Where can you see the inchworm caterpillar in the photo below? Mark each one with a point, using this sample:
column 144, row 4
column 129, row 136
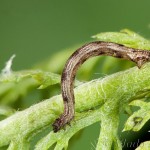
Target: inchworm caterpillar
column 79, row 57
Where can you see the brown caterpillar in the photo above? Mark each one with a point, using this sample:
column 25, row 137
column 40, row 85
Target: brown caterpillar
column 79, row 57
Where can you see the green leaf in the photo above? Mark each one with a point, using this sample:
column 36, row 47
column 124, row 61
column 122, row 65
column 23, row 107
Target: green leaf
column 125, row 37
column 81, row 121
column 98, row 100
column 137, row 120
column 44, row 78
column 103, row 96
column 19, row 143
column 144, row 146
column 18, row 84
column 6, row 111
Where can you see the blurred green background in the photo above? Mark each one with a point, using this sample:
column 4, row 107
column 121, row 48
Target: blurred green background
column 36, row 29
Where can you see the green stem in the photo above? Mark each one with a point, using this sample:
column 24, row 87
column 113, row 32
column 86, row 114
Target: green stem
column 119, row 87
column 109, row 129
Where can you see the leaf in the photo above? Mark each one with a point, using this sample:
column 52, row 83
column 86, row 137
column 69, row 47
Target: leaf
column 16, row 90
column 17, row 84
column 19, row 143
column 103, row 96
column 6, row 111
column 144, row 146
column 125, row 37
column 137, row 120
column 44, row 78
column 97, row 100
column 83, row 120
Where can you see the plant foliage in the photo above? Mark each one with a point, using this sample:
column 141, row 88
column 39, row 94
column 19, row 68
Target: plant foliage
column 99, row 100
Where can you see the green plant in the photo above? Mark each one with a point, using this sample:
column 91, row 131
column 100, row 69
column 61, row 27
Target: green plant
column 102, row 99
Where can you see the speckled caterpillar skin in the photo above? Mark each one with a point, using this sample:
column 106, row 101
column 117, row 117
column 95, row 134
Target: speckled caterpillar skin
column 78, row 58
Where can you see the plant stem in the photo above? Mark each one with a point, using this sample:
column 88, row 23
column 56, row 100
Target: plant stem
column 118, row 88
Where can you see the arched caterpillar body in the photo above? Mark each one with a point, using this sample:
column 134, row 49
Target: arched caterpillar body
column 78, row 58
